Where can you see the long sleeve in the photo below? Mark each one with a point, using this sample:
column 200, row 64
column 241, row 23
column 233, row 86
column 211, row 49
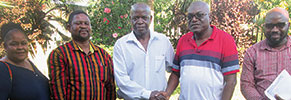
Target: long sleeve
column 57, row 74
column 247, row 81
column 129, row 88
column 5, row 82
column 110, row 84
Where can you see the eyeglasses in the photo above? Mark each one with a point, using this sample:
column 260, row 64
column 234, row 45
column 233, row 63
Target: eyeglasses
column 278, row 25
column 197, row 15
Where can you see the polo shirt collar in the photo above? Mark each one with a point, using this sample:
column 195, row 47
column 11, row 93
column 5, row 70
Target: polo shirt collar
column 214, row 32
column 265, row 46
column 213, row 35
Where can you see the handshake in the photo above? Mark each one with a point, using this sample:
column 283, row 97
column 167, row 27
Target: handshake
column 159, row 95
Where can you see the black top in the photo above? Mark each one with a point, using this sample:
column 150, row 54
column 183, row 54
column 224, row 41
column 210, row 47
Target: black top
column 25, row 84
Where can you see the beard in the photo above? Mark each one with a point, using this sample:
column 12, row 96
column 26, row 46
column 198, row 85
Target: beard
column 274, row 42
column 80, row 36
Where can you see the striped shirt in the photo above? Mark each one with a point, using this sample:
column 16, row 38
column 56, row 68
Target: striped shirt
column 262, row 64
column 202, row 67
column 75, row 75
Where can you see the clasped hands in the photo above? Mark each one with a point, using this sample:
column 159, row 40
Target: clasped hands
column 159, row 95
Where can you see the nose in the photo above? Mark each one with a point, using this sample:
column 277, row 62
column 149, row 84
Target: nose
column 21, row 46
column 194, row 19
column 139, row 20
column 275, row 29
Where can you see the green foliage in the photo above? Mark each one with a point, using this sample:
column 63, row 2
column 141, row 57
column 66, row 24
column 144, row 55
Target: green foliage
column 177, row 90
column 28, row 13
column 34, row 17
column 110, row 20
column 266, row 5
column 170, row 18
column 235, row 19
column 108, row 49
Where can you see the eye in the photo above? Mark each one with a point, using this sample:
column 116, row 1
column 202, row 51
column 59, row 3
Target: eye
column 134, row 18
column 77, row 23
column 269, row 25
column 144, row 17
column 199, row 15
column 13, row 43
column 190, row 16
column 87, row 23
column 24, row 43
column 281, row 25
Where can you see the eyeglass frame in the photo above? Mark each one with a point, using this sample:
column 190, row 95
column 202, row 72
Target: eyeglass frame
column 277, row 25
column 196, row 15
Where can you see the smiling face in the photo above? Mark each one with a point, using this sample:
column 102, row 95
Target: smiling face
column 16, row 45
column 198, row 17
column 80, row 27
column 140, row 19
column 276, row 29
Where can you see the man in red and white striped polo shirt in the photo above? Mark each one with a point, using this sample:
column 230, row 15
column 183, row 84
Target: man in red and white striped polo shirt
column 206, row 59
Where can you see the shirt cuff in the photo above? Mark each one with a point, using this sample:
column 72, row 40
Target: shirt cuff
column 146, row 94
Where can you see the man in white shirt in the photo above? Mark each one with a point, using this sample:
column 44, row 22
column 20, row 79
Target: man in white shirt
column 141, row 58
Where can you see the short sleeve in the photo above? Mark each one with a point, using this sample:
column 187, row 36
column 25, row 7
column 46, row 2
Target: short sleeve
column 230, row 62
column 176, row 61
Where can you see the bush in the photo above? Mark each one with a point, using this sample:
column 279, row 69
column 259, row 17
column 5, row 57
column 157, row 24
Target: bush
column 110, row 20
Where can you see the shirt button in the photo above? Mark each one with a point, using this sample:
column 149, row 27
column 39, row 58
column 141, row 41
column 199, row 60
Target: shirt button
column 198, row 51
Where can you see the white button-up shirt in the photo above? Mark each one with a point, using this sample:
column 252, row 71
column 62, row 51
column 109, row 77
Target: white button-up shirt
column 137, row 71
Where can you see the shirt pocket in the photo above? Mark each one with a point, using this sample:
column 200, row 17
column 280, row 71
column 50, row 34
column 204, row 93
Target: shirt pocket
column 159, row 63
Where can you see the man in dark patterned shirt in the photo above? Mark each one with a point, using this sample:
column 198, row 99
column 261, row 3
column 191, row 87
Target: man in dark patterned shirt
column 79, row 70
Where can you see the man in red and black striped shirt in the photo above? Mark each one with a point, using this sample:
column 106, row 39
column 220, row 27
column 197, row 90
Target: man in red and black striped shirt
column 79, row 70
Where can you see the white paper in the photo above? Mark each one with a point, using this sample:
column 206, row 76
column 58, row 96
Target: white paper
column 280, row 86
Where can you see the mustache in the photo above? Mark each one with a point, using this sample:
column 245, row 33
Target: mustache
column 83, row 30
column 21, row 50
column 273, row 33
column 192, row 24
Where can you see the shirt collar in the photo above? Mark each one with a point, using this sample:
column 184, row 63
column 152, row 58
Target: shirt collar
column 265, row 46
column 131, row 37
column 77, row 47
column 214, row 32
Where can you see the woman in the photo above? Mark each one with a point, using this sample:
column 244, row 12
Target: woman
column 19, row 78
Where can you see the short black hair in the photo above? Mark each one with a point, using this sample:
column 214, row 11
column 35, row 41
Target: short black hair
column 8, row 27
column 76, row 12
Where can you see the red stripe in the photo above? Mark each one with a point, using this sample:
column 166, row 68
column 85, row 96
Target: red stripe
column 231, row 72
column 76, row 68
column 101, row 71
column 53, row 88
column 176, row 70
column 9, row 70
column 62, row 75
